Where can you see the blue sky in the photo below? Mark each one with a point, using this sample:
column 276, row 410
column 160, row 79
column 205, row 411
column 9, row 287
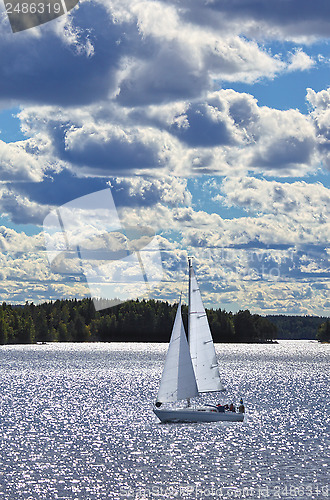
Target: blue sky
column 210, row 123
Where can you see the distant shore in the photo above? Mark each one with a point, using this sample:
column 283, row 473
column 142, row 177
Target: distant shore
column 140, row 321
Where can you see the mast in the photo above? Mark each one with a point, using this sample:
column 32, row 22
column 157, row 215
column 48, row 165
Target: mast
column 189, row 295
column 189, row 291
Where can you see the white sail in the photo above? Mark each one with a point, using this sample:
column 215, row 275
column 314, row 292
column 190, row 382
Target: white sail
column 178, row 379
column 200, row 341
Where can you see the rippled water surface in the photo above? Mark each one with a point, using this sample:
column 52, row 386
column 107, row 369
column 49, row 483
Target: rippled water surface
column 77, row 423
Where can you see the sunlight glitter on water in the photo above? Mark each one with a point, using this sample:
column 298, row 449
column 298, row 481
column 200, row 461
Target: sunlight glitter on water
column 77, row 423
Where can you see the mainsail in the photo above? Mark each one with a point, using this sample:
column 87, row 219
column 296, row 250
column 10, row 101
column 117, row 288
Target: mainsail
column 200, row 341
column 178, row 379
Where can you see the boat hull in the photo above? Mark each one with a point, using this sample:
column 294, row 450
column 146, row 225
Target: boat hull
column 192, row 415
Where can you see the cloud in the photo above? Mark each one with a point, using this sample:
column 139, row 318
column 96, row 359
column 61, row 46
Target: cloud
column 132, row 88
column 226, row 132
column 23, row 160
column 284, row 142
column 143, row 192
column 185, row 69
column 141, row 52
column 84, row 141
column 202, row 125
column 300, row 61
column 274, row 259
column 281, row 19
column 26, row 274
column 320, row 104
column 111, row 149
column 11, row 241
column 74, row 151
column 20, row 209
column 178, row 59
column 300, row 201
column 58, row 188
column 136, row 94
column 69, row 61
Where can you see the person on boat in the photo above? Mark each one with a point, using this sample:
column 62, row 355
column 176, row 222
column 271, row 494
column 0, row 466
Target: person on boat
column 226, row 407
column 241, row 408
column 232, row 407
column 220, row 408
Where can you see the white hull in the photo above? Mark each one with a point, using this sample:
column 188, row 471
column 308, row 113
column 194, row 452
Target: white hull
column 191, row 415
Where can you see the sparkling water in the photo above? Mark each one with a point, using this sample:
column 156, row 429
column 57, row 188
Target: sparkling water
column 77, row 423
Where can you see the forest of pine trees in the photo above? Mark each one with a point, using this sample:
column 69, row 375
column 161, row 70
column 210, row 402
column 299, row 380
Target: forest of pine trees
column 133, row 321
column 296, row 327
column 323, row 332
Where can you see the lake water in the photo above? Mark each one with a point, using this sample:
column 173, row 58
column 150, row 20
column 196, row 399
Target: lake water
column 77, row 423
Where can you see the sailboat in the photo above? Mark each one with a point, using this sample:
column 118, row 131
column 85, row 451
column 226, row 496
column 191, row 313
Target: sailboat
column 191, row 368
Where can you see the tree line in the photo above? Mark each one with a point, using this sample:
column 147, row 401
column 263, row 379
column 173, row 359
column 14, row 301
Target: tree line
column 323, row 332
column 132, row 321
column 296, row 327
